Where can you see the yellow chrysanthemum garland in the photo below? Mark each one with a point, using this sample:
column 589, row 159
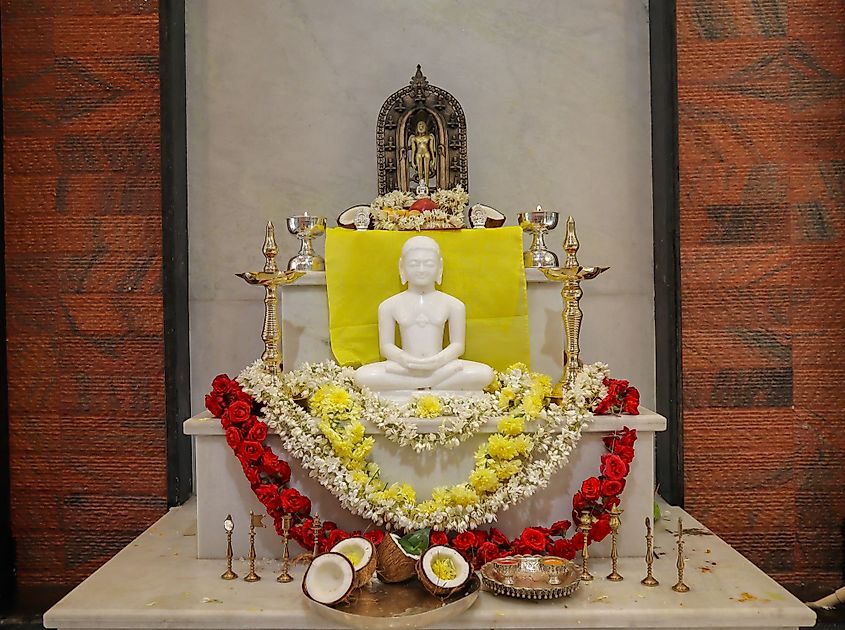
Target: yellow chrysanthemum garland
column 330, row 440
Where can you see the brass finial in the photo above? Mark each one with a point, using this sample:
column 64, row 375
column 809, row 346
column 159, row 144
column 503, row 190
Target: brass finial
column 649, row 579
column 614, row 523
column 586, row 523
column 308, row 556
column 285, row 575
column 680, row 587
column 271, row 278
column 571, row 275
column 229, row 526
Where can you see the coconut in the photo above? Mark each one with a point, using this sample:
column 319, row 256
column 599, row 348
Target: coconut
column 329, row 579
column 443, row 571
column 346, row 219
column 362, row 554
column 394, row 563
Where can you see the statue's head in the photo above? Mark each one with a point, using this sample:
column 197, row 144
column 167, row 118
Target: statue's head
column 421, row 127
column 420, row 263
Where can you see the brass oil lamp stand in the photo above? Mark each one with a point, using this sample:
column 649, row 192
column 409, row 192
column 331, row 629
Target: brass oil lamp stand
column 586, row 523
column 571, row 274
column 307, row 557
column 649, row 579
column 614, row 523
column 271, row 278
column 229, row 526
column 680, row 587
column 255, row 520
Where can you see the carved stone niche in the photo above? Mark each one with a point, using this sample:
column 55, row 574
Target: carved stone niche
column 397, row 121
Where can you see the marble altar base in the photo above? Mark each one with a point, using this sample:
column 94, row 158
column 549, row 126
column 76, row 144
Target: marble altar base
column 157, row 582
column 222, row 488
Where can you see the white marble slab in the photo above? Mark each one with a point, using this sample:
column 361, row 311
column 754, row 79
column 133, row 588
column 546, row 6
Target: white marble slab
column 222, row 488
column 156, row 582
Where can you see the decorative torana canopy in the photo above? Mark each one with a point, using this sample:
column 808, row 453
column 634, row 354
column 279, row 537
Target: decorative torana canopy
column 398, row 121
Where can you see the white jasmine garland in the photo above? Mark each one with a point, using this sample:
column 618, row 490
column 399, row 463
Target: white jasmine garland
column 558, row 430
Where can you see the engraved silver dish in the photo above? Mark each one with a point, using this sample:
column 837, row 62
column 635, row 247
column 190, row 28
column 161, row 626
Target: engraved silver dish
column 530, row 581
column 380, row 606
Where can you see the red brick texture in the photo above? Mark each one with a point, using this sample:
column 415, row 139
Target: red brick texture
column 761, row 97
column 83, row 276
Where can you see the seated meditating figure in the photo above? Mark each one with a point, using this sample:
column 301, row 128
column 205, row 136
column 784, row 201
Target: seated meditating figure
column 422, row 312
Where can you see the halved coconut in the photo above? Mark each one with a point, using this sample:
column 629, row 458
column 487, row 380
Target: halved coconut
column 442, row 570
column 494, row 218
column 329, row 579
column 394, row 563
column 346, row 219
column 362, row 554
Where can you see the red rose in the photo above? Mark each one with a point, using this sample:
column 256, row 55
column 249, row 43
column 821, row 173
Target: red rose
column 564, row 548
column 220, row 384
column 257, row 432
column 590, row 489
column 559, row 528
column 295, row 503
column 533, row 539
column 579, row 502
column 612, row 487
column 214, row 404
column 629, row 436
column 600, row 529
column 578, row 541
column 604, row 406
column 497, row 537
column 375, row 536
column 268, row 495
column 613, row 466
column 616, row 388
column 334, row 537
column 464, row 541
column 329, row 526
column 233, row 437
column 238, row 412
column 438, row 538
column 480, row 537
column 233, row 387
column 631, row 403
column 610, row 502
column 252, row 451
column 250, row 473
column 282, row 470
column 487, row 552
column 626, row 453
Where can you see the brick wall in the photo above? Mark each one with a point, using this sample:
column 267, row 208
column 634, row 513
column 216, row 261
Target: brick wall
column 761, row 94
column 83, row 277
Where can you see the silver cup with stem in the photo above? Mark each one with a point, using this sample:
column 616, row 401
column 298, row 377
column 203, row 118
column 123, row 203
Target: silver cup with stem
column 537, row 223
column 306, row 228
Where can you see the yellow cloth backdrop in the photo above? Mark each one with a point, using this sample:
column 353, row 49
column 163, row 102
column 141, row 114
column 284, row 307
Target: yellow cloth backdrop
column 482, row 268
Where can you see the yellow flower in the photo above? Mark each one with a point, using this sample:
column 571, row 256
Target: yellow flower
column 501, row 447
column 462, row 495
column 511, row 426
column 542, row 385
column 506, row 397
column 480, row 454
column 483, row 480
column 360, row 477
column 505, row 470
column 522, row 444
column 339, row 398
column 444, row 568
column 429, row 406
column 533, row 405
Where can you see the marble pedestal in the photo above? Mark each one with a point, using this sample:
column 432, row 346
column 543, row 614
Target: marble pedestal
column 222, row 488
column 157, row 582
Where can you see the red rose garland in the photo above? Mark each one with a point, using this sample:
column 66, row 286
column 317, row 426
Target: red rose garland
column 269, row 476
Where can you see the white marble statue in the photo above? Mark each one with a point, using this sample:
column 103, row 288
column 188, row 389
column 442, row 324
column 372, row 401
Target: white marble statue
column 422, row 312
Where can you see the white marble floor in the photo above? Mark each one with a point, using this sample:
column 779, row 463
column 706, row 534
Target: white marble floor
column 157, row 582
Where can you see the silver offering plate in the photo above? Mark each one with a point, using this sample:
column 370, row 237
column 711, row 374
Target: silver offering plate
column 530, row 581
column 380, row 606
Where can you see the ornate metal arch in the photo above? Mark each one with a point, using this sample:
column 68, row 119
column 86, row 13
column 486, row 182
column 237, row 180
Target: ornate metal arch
column 419, row 97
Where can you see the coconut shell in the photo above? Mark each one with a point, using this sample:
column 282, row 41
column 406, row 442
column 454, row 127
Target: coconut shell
column 365, row 573
column 346, row 219
column 436, row 589
column 394, row 565
column 341, row 599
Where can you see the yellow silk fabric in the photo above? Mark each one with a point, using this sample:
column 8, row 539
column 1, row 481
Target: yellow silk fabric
column 482, row 268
